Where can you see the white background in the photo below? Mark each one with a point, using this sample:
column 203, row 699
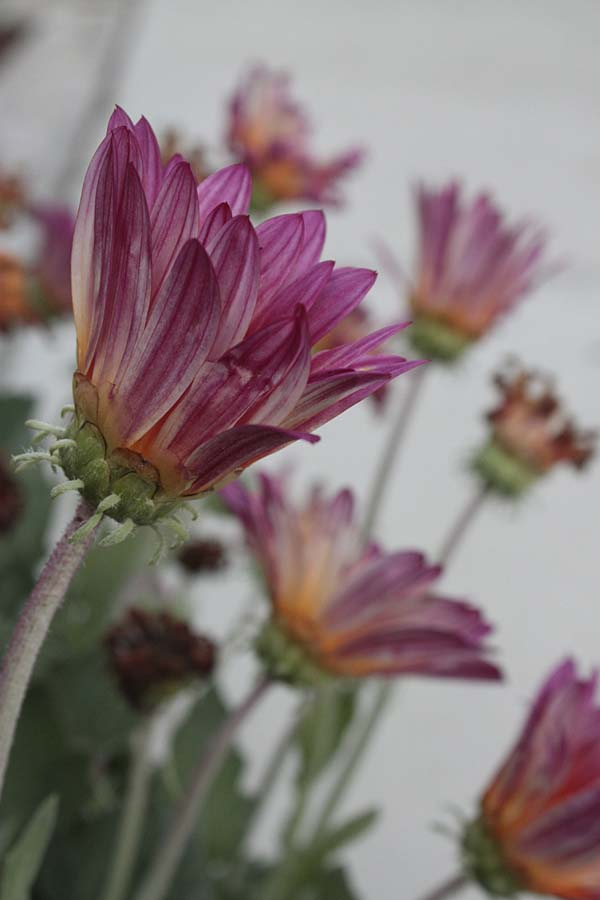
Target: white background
column 504, row 94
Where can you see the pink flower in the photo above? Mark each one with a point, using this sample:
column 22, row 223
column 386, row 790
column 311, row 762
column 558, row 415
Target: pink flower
column 353, row 610
column 472, row 268
column 194, row 329
column 542, row 810
column 269, row 133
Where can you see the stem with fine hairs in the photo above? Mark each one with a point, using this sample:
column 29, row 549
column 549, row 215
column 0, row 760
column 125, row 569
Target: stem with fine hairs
column 462, row 523
column 161, row 870
column 32, row 627
column 448, row 888
column 392, row 448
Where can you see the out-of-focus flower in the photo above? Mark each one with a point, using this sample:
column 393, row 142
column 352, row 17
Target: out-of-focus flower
column 154, row 655
column 269, row 133
column 531, row 433
column 11, row 498
column 36, row 292
column 354, row 327
column 539, row 827
column 472, row 268
column 340, row 609
column 203, row 555
column 194, row 331
column 12, row 198
column 172, row 144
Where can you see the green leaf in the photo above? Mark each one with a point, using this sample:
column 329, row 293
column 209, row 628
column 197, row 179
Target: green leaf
column 336, row 838
column 330, row 884
column 321, row 730
column 24, row 859
column 226, row 808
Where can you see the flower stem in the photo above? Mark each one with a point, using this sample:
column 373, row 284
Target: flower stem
column 462, row 523
column 366, row 728
column 391, row 450
column 164, row 865
column 127, row 842
column 448, row 888
column 32, row 627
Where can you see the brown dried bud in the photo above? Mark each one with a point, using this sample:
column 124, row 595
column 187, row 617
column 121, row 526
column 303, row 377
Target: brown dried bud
column 203, row 555
column 531, row 424
column 153, row 655
column 11, row 498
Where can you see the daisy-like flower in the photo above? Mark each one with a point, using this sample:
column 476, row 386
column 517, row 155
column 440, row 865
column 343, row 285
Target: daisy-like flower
column 539, row 827
column 472, row 268
column 36, row 292
column 340, row 609
column 530, row 433
column 194, row 332
column 269, row 133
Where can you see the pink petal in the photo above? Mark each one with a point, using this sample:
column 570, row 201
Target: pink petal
column 151, row 161
column 174, row 221
column 232, row 185
column 326, row 398
column 234, row 255
column 305, row 290
column 175, row 342
column 213, row 223
column 290, row 245
column 232, row 451
column 345, row 290
column 346, row 355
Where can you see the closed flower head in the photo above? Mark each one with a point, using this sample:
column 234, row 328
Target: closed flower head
column 472, row 268
column 195, row 329
column 342, row 610
column 269, row 133
column 539, row 828
column 530, row 433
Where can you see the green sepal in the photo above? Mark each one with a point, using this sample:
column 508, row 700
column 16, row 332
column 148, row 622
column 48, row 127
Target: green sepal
column 285, row 659
column 504, row 473
column 435, row 340
column 484, row 862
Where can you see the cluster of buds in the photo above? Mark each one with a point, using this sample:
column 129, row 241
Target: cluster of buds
column 530, row 433
column 154, row 655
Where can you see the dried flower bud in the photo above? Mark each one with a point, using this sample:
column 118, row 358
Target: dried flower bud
column 531, row 433
column 153, row 655
column 203, row 555
column 11, row 498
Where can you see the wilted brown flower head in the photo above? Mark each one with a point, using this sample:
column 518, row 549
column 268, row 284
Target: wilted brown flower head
column 531, row 423
column 153, row 655
column 203, row 555
column 11, row 498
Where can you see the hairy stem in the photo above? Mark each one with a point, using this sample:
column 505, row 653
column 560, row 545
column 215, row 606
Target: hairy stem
column 161, row 871
column 32, row 627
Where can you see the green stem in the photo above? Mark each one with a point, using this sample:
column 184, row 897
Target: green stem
column 345, row 775
column 162, row 869
column 32, row 627
column 462, row 523
column 448, row 888
column 127, row 843
column 391, row 449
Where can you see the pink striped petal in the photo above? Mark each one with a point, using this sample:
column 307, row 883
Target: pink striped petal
column 119, row 119
column 223, row 392
column 232, row 451
column 232, row 185
column 305, row 290
column 348, row 354
column 124, row 293
column 151, row 161
column 213, row 223
column 327, row 397
column 290, row 245
column 345, row 290
column 175, row 342
column 174, row 221
column 235, row 257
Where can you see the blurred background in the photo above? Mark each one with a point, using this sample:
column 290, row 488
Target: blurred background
column 501, row 94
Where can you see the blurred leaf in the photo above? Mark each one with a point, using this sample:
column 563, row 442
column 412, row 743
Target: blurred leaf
column 330, row 884
column 14, row 410
column 321, row 731
column 226, row 808
column 23, row 860
column 336, row 838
